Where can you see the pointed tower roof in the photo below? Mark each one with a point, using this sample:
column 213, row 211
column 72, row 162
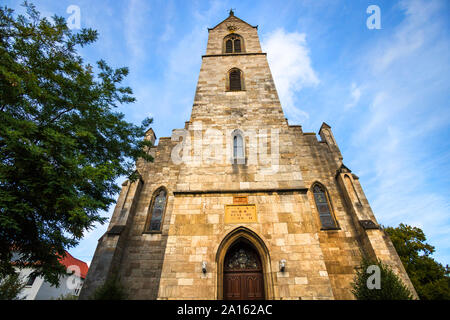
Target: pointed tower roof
column 230, row 18
column 324, row 125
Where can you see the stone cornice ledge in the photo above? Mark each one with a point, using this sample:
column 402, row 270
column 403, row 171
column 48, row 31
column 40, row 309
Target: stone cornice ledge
column 235, row 54
column 270, row 190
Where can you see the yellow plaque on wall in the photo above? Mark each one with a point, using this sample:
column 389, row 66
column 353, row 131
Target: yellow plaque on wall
column 240, row 213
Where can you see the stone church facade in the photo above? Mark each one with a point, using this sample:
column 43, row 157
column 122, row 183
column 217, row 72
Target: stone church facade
column 239, row 204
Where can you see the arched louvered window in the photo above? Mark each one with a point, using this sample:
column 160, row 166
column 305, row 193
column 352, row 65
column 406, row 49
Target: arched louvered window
column 237, row 45
column 233, row 43
column 323, row 207
column 229, row 46
column 235, row 80
column 157, row 209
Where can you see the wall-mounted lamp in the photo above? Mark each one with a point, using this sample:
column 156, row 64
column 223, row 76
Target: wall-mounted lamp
column 282, row 265
column 204, row 266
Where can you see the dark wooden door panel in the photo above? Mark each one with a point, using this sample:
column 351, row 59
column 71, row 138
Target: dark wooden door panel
column 253, row 286
column 243, row 286
column 232, row 287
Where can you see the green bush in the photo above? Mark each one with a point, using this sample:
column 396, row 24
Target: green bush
column 112, row 289
column 68, row 296
column 391, row 286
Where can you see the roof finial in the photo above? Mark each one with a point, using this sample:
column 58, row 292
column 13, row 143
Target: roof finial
column 232, row 12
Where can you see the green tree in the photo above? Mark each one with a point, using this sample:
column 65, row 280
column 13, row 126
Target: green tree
column 11, row 286
column 391, row 286
column 430, row 278
column 63, row 143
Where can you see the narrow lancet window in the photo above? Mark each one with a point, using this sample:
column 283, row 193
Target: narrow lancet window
column 157, row 210
column 229, row 46
column 237, row 45
column 238, row 147
column 323, row 207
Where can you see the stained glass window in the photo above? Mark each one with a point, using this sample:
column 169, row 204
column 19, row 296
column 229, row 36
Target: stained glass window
column 159, row 204
column 323, row 207
column 241, row 257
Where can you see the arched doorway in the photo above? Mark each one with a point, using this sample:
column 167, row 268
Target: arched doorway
column 244, row 236
column 242, row 272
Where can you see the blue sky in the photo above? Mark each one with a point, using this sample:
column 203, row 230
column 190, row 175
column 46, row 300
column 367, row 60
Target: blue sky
column 385, row 92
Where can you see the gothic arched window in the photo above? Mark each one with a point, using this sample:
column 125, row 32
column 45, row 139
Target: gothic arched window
column 323, row 206
column 235, row 78
column 233, row 43
column 156, row 210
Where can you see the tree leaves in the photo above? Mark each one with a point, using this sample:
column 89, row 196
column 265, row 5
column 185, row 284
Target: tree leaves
column 62, row 143
column 430, row 278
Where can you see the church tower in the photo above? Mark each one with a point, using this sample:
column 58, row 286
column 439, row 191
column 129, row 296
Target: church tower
column 239, row 204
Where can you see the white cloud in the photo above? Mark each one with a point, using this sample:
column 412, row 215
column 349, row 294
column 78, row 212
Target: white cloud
column 291, row 67
column 411, row 35
column 355, row 95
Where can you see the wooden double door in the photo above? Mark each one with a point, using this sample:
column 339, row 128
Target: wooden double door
column 243, row 276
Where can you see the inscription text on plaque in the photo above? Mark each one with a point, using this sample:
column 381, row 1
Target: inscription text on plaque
column 240, row 213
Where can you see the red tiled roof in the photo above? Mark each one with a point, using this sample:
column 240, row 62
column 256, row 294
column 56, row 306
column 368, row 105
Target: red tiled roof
column 68, row 261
